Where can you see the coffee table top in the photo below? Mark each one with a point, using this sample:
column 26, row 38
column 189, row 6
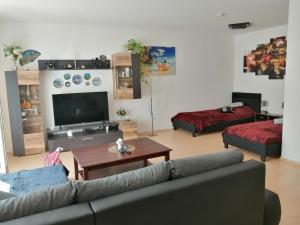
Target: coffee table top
column 96, row 155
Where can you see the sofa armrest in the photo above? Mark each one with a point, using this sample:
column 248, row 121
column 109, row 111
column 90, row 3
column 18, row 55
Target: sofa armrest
column 272, row 209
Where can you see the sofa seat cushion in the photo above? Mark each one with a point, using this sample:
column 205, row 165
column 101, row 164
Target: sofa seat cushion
column 202, row 163
column 100, row 188
column 76, row 214
column 38, row 201
column 25, row 181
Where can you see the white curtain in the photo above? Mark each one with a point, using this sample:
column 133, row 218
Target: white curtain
column 2, row 146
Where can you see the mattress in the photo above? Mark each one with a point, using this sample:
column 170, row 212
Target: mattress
column 263, row 132
column 206, row 118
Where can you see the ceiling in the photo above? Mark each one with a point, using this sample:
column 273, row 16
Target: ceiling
column 158, row 14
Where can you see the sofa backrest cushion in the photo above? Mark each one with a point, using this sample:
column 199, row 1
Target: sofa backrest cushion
column 100, row 188
column 202, row 163
column 232, row 195
column 5, row 195
column 38, row 201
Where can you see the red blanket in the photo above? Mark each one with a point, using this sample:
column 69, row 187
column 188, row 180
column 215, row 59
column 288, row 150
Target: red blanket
column 264, row 132
column 202, row 119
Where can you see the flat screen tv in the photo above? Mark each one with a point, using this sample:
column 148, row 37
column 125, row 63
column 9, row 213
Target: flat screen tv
column 80, row 108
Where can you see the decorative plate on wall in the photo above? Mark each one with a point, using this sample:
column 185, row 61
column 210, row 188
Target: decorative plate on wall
column 96, row 81
column 67, row 76
column 58, row 83
column 68, row 84
column 87, row 76
column 87, row 83
column 77, row 79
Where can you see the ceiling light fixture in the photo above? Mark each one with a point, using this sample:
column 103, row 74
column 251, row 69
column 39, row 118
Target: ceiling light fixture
column 236, row 26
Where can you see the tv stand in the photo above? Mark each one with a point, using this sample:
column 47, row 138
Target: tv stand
column 84, row 136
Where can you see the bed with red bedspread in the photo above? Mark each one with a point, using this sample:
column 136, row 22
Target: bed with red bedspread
column 214, row 120
column 263, row 137
column 202, row 120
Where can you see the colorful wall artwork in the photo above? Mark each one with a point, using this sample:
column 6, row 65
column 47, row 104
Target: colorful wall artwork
column 268, row 59
column 159, row 60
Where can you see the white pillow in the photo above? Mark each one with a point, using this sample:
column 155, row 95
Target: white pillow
column 236, row 104
column 278, row 121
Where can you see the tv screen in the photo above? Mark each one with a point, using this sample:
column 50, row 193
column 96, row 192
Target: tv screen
column 80, row 108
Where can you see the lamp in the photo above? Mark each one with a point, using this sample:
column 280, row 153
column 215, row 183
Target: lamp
column 264, row 104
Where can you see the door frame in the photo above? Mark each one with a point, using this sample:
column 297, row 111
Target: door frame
column 3, row 159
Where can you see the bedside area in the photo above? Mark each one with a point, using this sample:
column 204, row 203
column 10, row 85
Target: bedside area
column 267, row 116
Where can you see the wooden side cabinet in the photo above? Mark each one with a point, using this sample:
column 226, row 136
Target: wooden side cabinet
column 129, row 129
column 24, row 105
column 126, row 76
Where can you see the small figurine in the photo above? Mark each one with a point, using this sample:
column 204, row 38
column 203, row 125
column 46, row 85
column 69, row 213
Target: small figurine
column 122, row 147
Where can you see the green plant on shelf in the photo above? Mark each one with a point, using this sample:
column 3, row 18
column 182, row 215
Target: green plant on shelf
column 13, row 52
column 137, row 47
column 134, row 46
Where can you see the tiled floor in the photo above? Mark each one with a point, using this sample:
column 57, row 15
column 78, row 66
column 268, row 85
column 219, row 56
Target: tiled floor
column 282, row 177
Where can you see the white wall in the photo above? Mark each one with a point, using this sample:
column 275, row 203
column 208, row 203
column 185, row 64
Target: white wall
column 272, row 90
column 291, row 134
column 204, row 66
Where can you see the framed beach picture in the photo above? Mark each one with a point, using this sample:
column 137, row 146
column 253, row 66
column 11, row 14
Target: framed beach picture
column 159, row 60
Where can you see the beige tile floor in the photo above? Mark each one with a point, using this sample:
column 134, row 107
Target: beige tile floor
column 283, row 177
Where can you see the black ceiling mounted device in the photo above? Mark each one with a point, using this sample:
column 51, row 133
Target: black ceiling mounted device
column 236, row 26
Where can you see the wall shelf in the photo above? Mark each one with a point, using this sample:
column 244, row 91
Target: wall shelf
column 71, row 64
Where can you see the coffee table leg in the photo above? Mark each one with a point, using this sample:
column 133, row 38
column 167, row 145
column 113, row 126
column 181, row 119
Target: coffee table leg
column 85, row 174
column 167, row 156
column 76, row 169
column 145, row 162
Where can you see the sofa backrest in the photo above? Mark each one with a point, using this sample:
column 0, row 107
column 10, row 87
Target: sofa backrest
column 232, row 195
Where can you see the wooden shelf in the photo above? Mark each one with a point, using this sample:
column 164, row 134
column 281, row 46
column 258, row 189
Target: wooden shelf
column 126, row 87
column 71, row 64
column 129, row 129
column 23, row 88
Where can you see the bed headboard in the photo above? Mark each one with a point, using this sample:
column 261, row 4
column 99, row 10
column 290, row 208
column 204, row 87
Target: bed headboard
column 250, row 99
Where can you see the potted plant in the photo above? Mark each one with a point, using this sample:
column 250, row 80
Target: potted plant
column 134, row 46
column 121, row 112
column 13, row 52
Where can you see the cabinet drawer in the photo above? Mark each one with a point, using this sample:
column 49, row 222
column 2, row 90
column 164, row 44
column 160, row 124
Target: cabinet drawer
column 34, row 143
column 82, row 141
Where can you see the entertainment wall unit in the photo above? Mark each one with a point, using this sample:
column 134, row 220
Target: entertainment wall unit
column 83, row 135
column 26, row 123
column 81, row 119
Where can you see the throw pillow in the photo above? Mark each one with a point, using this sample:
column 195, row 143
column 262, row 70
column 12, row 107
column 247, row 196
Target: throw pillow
column 104, row 187
column 202, row 163
column 226, row 109
column 38, row 201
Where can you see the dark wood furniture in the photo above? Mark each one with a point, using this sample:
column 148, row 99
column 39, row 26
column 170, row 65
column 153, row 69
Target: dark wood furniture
column 267, row 116
column 98, row 156
column 81, row 138
column 252, row 100
column 72, row 64
column 126, row 76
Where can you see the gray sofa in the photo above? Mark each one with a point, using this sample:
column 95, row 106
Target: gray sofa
column 210, row 189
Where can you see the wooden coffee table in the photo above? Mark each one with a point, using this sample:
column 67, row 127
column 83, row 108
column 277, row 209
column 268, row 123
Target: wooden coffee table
column 98, row 156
